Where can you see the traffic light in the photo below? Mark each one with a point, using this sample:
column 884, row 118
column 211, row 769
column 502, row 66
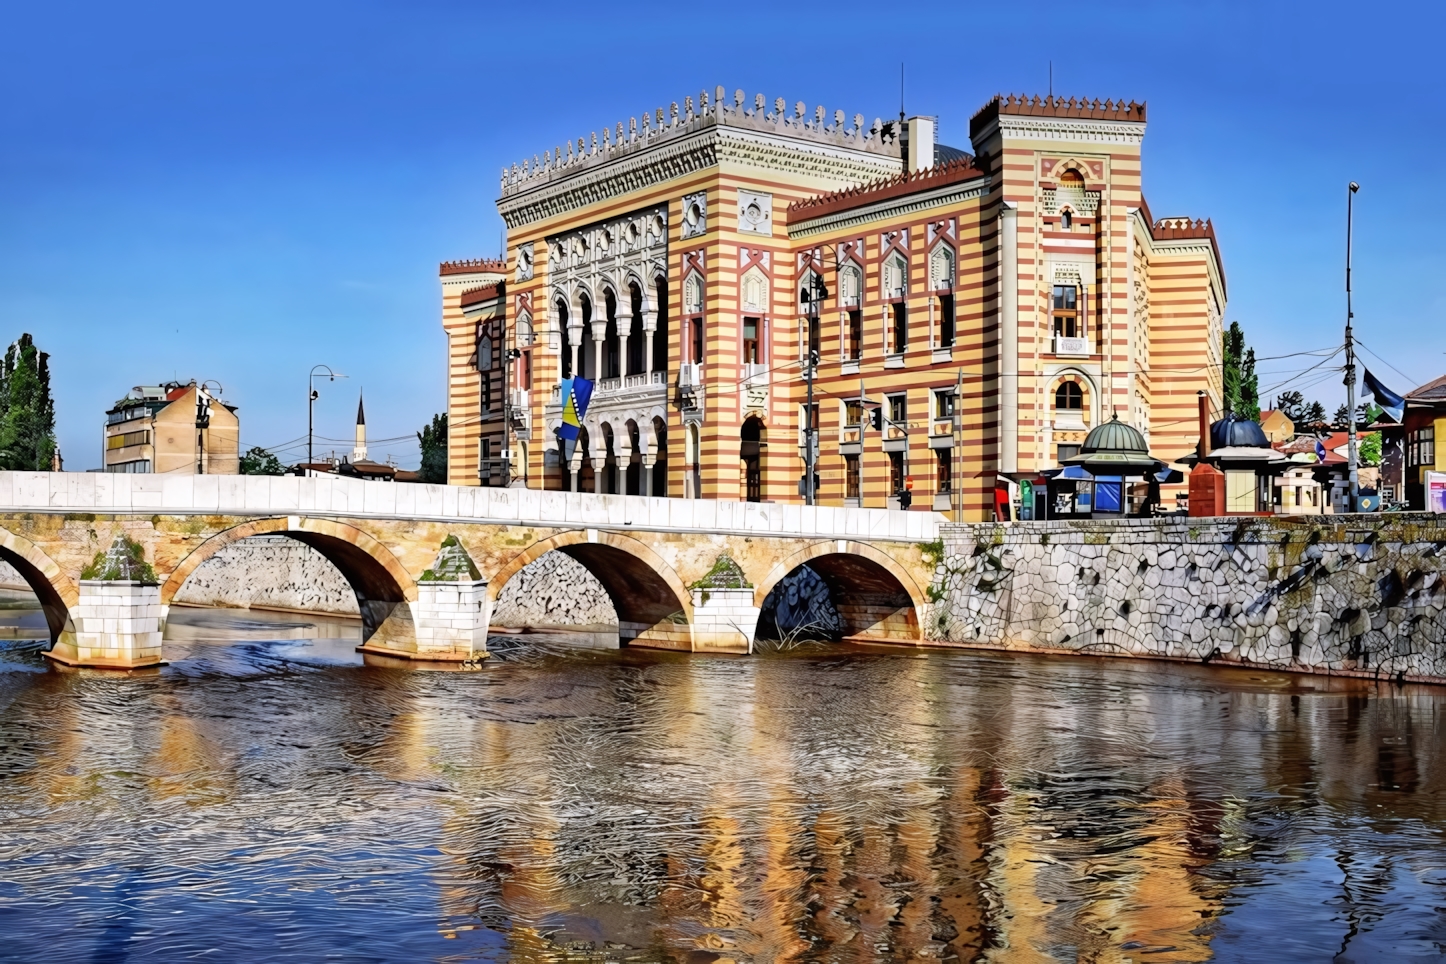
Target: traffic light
column 876, row 418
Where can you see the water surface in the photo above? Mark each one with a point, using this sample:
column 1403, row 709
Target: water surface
column 268, row 796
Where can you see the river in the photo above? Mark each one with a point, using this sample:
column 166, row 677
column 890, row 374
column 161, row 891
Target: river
column 267, row 796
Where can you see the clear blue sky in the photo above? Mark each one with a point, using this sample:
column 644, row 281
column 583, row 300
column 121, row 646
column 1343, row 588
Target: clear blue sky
column 239, row 192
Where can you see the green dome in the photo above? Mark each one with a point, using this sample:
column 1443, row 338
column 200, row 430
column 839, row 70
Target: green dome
column 1114, row 436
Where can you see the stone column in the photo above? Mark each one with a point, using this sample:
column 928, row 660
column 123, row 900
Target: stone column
column 574, row 341
column 645, row 477
column 650, row 327
column 599, row 338
column 599, row 468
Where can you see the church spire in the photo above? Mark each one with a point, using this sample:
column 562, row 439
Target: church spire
column 359, row 451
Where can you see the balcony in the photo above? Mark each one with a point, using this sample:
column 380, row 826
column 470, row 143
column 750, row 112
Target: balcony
column 631, row 384
column 1072, row 347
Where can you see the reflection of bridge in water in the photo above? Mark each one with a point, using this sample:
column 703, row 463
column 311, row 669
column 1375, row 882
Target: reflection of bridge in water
column 653, row 556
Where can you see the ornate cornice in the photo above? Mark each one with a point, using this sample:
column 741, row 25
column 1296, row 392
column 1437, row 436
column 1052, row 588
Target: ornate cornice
column 678, row 158
column 892, row 208
column 1075, row 130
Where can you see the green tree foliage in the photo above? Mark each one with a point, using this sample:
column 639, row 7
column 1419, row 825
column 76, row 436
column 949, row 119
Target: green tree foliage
column 258, row 461
column 434, row 450
column 1370, row 451
column 1242, row 386
column 27, row 412
column 1314, row 416
column 1341, row 418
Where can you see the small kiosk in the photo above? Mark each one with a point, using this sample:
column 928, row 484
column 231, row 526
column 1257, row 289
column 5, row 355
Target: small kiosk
column 1114, row 475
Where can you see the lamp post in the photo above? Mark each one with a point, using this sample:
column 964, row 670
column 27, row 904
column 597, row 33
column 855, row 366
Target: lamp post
column 1353, row 495
column 311, row 405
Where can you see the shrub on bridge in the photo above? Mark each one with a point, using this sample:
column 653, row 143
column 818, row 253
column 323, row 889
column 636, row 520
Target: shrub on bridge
column 124, row 561
column 452, row 564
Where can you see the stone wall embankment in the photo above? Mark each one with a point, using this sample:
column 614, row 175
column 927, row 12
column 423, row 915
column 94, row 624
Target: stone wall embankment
column 1359, row 595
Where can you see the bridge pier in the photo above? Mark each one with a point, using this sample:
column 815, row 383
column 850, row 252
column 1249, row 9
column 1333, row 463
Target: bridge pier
column 116, row 624
column 449, row 619
column 724, row 620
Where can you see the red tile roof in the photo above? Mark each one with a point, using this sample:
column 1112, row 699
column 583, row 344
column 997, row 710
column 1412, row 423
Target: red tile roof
column 950, row 172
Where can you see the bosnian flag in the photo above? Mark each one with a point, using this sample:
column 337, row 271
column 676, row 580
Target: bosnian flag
column 1319, row 451
column 576, row 393
column 1391, row 403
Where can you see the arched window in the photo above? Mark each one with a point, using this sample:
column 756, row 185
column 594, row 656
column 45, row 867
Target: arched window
column 660, row 324
column 755, row 291
column 896, row 289
column 896, row 278
column 524, row 329
column 1068, row 397
column 560, row 309
column 693, row 318
column 849, row 285
column 941, row 267
column 1066, row 220
column 811, row 288
column 693, row 295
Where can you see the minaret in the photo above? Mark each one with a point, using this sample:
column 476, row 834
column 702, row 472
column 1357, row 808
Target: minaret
column 359, row 452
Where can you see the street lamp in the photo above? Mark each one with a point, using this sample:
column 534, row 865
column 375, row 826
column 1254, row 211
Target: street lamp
column 1353, row 495
column 311, row 405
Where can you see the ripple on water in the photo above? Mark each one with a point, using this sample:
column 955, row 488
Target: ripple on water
column 270, row 796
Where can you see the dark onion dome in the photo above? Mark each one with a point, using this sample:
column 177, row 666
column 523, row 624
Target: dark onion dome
column 1236, row 431
column 1115, row 448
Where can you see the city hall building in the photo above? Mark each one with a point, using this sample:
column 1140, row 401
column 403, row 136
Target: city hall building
column 973, row 315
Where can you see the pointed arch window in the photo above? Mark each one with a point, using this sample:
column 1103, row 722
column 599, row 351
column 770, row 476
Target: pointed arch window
column 941, row 279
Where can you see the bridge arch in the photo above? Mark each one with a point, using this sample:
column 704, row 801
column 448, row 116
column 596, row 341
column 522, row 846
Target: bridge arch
column 874, row 595
column 647, row 593
column 55, row 590
column 379, row 580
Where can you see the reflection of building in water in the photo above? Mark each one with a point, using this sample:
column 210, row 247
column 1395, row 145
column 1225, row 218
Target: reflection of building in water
column 775, row 811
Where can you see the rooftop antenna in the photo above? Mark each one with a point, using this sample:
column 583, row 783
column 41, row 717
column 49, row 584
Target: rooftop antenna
column 901, row 91
column 1051, row 80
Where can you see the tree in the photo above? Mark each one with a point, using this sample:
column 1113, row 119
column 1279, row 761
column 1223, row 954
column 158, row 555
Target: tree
column 1242, row 387
column 1370, row 451
column 1291, row 405
column 1313, row 415
column 258, row 461
column 434, row 450
column 1341, row 418
column 27, row 412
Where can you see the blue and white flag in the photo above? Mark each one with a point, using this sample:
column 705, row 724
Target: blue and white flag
column 1391, row 403
column 1319, row 450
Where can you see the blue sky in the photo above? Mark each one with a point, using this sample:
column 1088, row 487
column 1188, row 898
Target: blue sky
column 238, row 192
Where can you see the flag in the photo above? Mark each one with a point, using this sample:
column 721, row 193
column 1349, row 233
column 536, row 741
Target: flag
column 1319, row 451
column 1391, row 403
column 576, row 393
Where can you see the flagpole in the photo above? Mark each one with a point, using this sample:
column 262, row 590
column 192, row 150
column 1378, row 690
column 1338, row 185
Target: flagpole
column 1353, row 496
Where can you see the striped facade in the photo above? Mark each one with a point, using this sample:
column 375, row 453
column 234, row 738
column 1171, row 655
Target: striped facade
column 669, row 264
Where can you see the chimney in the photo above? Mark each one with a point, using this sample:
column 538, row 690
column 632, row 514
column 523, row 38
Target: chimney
column 920, row 144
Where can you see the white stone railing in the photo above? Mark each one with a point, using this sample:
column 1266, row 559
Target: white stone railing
column 266, row 495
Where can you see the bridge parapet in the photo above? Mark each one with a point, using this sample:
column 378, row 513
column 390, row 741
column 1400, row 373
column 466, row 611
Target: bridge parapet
column 261, row 495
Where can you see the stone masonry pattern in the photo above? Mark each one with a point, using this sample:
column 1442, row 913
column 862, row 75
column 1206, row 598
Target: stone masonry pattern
column 1363, row 596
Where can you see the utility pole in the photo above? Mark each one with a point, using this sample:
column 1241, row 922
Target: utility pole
column 1354, row 494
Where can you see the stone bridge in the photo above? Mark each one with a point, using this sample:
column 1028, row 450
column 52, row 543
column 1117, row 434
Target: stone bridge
column 658, row 559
